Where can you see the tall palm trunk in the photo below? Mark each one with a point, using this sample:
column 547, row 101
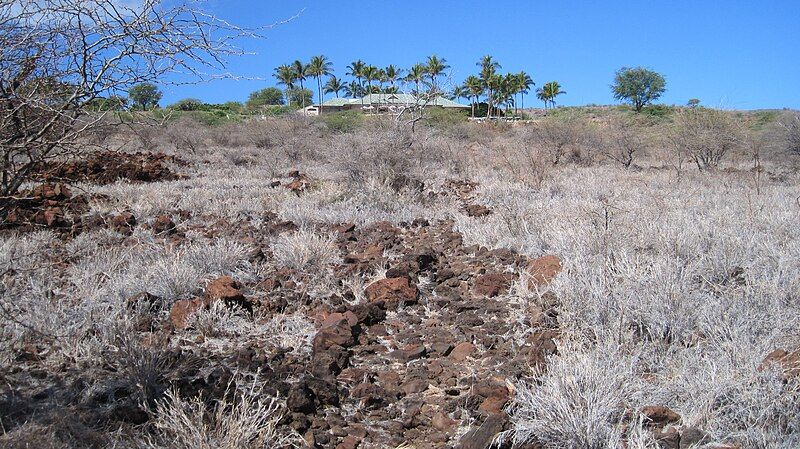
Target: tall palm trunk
column 302, row 97
column 488, row 102
column 319, row 88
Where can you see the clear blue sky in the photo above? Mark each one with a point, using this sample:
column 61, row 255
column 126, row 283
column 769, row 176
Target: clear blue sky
column 733, row 54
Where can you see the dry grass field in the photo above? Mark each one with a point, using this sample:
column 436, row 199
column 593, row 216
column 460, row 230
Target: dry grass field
column 593, row 278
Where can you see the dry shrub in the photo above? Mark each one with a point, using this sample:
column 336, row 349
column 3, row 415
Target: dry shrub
column 526, row 163
column 566, row 137
column 622, row 141
column 704, row 136
column 791, row 128
column 306, row 250
column 186, row 134
column 378, row 154
column 148, row 136
column 244, row 418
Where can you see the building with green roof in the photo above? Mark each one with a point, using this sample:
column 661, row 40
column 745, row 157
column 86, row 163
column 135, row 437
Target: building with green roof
column 383, row 102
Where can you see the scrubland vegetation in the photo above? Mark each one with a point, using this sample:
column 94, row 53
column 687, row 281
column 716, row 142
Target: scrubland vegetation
column 244, row 276
column 679, row 260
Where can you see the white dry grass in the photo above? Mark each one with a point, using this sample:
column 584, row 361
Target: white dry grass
column 647, row 267
column 243, row 419
column 82, row 305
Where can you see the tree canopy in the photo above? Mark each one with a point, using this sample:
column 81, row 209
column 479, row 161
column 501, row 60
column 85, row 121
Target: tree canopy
column 265, row 97
column 145, row 95
column 638, row 86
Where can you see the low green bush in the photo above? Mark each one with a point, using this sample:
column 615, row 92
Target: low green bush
column 445, row 118
column 345, row 121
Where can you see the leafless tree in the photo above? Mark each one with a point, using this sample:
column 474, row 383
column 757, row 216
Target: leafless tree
column 60, row 58
column 407, row 115
column 561, row 135
column 705, row 136
column 622, row 142
column 792, row 130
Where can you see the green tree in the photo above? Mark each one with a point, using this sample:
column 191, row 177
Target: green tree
column 334, row 86
column 487, row 76
column 299, row 97
column 187, row 104
column 300, row 72
column 638, row 86
column 460, row 92
column 549, row 92
column 393, row 74
column 112, row 103
column 474, row 86
column 356, row 70
column 353, row 89
column 370, row 74
column 524, row 83
column 144, row 96
column 318, row 67
column 693, row 103
column 416, row 75
column 265, row 97
column 286, row 76
column 435, row 66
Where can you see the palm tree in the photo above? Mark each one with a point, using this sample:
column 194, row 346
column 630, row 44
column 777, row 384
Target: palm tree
column 334, row 86
column 493, row 84
column 525, row 83
column 416, row 75
column 356, row 70
column 435, row 67
column 380, row 78
column 507, row 92
column 461, row 92
column 286, row 76
column 318, row 67
column 354, row 89
column 370, row 74
column 488, row 69
column 393, row 74
column 300, row 71
column 549, row 92
column 475, row 88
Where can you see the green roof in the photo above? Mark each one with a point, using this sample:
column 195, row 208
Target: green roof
column 341, row 102
column 407, row 99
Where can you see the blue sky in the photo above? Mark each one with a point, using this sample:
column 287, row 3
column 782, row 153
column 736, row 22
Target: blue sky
column 731, row 54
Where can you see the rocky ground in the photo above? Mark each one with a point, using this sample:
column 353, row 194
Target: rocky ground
column 424, row 353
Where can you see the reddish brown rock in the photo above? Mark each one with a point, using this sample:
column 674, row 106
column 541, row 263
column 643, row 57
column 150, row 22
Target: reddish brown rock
column 659, row 416
column 443, row 422
column 477, row 210
column 544, row 269
column 393, row 292
column 123, row 223
column 462, row 351
column 493, row 404
column 492, row 284
column 338, row 334
column 224, row 287
column 349, row 442
column 181, row 311
column 481, row 437
column 788, row 362
column 164, row 225
column 334, row 318
column 408, row 353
